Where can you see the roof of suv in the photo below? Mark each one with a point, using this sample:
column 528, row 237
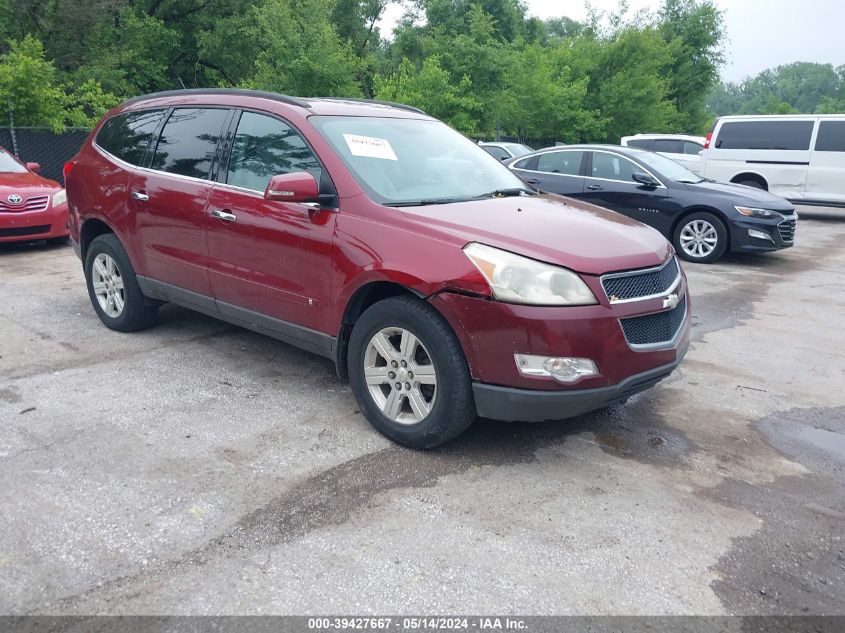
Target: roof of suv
column 349, row 106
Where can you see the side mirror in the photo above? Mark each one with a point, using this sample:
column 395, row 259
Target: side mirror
column 643, row 178
column 298, row 186
column 34, row 167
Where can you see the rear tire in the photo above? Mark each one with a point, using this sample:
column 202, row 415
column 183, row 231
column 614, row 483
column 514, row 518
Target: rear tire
column 700, row 237
column 113, row 287
column 392, row 340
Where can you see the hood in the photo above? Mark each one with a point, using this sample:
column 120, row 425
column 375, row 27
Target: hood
column 553, row 229
column 743, row 195
column 26, row 184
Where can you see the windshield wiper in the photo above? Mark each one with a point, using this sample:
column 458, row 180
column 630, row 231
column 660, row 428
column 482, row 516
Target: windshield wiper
column 506, row 193
column 424, row 203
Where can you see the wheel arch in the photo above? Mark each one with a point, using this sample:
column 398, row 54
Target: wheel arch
column 751, row 175
column 366, row 295
column 91, row 229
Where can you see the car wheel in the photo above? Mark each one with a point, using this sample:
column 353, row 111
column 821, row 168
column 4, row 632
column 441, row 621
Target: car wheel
column 113, row 287
column 409, row 374
column 752, row 183
column 700, row 237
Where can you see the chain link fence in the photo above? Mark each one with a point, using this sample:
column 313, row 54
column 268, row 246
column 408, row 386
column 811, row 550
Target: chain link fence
column 43, row 146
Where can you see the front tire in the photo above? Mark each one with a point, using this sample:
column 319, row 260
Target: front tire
column 408, row 373
column 700, row 237
column 113, row 287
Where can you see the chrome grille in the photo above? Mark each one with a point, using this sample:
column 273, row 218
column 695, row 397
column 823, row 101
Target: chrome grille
column 656, row 328
column 640, row 284
column 787, row 230
column 36, row 203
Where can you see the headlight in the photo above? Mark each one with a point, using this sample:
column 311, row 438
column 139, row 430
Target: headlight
column 517, row 279
column 751, row 212
column 59, row 198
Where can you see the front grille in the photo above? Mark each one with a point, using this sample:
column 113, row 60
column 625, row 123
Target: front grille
column 787, row 230
column 25, row 230
column 656, row 328
column 637, row 285
column 36, row 203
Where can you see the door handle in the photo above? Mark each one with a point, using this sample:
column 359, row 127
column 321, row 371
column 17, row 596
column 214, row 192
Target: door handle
column 595, row 187
column 140, row 196
column 223, row 215
column 532, row 181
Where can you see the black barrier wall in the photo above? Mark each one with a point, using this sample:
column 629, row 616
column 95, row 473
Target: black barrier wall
column 40, row 145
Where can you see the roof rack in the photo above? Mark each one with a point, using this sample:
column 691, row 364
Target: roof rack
column 223, row 91
column 391, row 104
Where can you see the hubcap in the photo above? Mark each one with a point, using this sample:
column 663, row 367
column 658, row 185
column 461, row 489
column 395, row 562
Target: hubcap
column 699, row 238
column 400, row 375
column 108, row 285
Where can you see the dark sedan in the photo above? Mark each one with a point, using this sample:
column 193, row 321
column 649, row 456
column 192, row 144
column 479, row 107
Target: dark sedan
column 702, row 218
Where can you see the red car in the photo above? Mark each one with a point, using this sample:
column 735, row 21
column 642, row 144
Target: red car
column 378, row 237
column 31, row 207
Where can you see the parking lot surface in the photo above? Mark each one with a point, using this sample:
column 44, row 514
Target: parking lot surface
column 199, row 468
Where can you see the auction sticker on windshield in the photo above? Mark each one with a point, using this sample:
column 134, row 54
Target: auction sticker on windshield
column 370, row 147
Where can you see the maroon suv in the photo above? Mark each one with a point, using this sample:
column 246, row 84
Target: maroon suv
column 378, row 237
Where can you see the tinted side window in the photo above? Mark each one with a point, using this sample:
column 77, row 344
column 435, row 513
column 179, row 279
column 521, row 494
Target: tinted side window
column 692, row 148
column 127, row 136
column 831, row 137
column 783, row 135
column 613, row 167
column 526, row 163
column 567, row 163
column 641, row 143
column 498, row 152
column 671, row 146
column 188, row 141
column 265, row 147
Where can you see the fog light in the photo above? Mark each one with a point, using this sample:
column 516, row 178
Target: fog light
column 561, row 369
column 760, row 235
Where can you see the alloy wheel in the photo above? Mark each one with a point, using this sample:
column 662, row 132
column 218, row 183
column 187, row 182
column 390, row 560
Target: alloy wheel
column 400, row 375
column 699, row 238
column 108, row 285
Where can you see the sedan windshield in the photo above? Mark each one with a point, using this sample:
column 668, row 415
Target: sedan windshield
column 9, row 165
column 411, row 162
column 668, row 168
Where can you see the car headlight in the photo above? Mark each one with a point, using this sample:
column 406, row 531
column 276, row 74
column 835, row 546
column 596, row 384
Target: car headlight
column 59, row 198
column 752, row 212
column 517, row 279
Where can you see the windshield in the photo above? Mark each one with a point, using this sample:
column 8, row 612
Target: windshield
column 668, row 168
column 408, row 162
column 9, row 165
column 519, row 150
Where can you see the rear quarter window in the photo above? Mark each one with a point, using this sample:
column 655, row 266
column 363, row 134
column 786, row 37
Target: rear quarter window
column 127, row 136
column 766, row 135
column 831, row 137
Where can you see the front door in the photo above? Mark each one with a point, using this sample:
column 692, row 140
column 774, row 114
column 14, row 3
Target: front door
column 269, row 261
column 610, row 183
column 169, row 199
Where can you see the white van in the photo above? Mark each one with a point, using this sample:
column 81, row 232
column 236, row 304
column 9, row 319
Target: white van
column 681, row 148
column 798, row 157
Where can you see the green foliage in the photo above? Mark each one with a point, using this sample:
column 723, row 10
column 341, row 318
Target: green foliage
column 432, row 90
column 482, row 65
column 28, row 92
column 800, row 87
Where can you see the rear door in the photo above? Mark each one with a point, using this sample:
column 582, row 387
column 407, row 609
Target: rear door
column 826, row 176
column 558, row 171
column 168, row 200
column 610, row 184
column 270, row 258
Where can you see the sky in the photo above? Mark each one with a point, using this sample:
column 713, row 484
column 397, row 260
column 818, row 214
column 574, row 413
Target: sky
column 760, row 33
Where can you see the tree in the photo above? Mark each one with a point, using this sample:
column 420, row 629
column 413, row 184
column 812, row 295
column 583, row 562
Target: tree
column 28, row 94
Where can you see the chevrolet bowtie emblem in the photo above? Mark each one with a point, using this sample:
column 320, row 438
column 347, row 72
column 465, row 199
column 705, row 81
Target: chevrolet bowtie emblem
column 671, row 301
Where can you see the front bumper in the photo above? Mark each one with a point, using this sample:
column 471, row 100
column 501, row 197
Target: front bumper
column 527, row 405
column 28, row 226
column 776, row 230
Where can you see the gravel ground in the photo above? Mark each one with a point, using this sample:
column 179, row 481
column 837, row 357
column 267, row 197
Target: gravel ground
column 197, row 468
